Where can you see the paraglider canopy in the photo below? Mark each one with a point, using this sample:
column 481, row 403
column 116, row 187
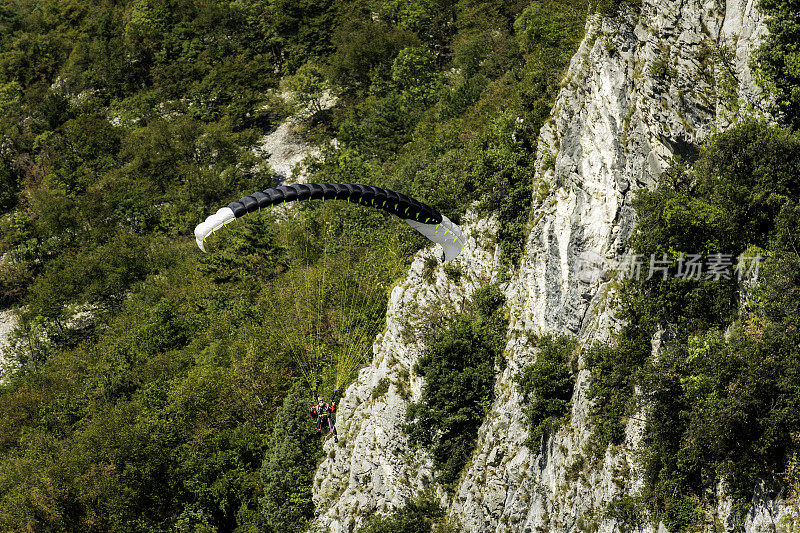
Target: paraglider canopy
column 423, row 218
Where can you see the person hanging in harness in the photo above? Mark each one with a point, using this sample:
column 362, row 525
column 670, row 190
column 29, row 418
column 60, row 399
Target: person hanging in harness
column 322, row 413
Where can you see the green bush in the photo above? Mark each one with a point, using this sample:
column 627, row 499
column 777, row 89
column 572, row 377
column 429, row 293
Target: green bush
column 611, row 8
column 421, row 515
column 626, row 510
column 660, row 69
column 453, row 271
column 546, row 387
column 458, row 368
column 614, row 377
column 14, row 279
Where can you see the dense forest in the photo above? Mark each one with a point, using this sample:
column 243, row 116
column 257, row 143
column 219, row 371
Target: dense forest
column 150, row 387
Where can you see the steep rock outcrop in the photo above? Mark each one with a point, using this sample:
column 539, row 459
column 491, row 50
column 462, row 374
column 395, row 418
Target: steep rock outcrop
column 373, row 468
column 643, row 87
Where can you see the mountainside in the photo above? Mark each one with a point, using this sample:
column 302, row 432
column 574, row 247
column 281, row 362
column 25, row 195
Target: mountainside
column 645, row 86
column 535, row 383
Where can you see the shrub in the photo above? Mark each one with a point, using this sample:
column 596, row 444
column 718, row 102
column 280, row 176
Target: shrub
column 546, row 387
column 458, row 368
column 14, row 280
column 416, row 516
column 453, row 271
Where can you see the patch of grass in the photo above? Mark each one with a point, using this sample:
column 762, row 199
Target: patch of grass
column 453, row 271
column 381, row 388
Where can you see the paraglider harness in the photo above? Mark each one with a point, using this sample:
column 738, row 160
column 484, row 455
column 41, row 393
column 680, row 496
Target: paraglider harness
column 322, row 413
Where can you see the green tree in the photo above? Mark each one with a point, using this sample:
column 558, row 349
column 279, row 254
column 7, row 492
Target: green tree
column 364, row 52
column 309, row 86
column 292, row 455
column 304, row 30
column 251, row 253
column 778, row 58
column 8, row 186
column 414, row 74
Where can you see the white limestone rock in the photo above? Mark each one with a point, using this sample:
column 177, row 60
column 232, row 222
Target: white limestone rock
column 373, row 468
column 8, row 321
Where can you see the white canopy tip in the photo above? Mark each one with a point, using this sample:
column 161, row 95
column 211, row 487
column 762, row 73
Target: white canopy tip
column 211, row 224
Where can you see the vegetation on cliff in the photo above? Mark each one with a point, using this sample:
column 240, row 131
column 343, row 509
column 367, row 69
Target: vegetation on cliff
column 722, row 395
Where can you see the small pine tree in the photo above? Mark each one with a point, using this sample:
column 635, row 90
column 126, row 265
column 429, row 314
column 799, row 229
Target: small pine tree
column 293, row 453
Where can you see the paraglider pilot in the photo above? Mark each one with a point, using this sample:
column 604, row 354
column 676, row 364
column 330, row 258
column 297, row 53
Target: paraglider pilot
column 323, row 414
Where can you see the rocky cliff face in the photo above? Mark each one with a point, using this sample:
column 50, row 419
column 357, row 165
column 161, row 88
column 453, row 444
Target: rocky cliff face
column 643, row 87
column 373, row 467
